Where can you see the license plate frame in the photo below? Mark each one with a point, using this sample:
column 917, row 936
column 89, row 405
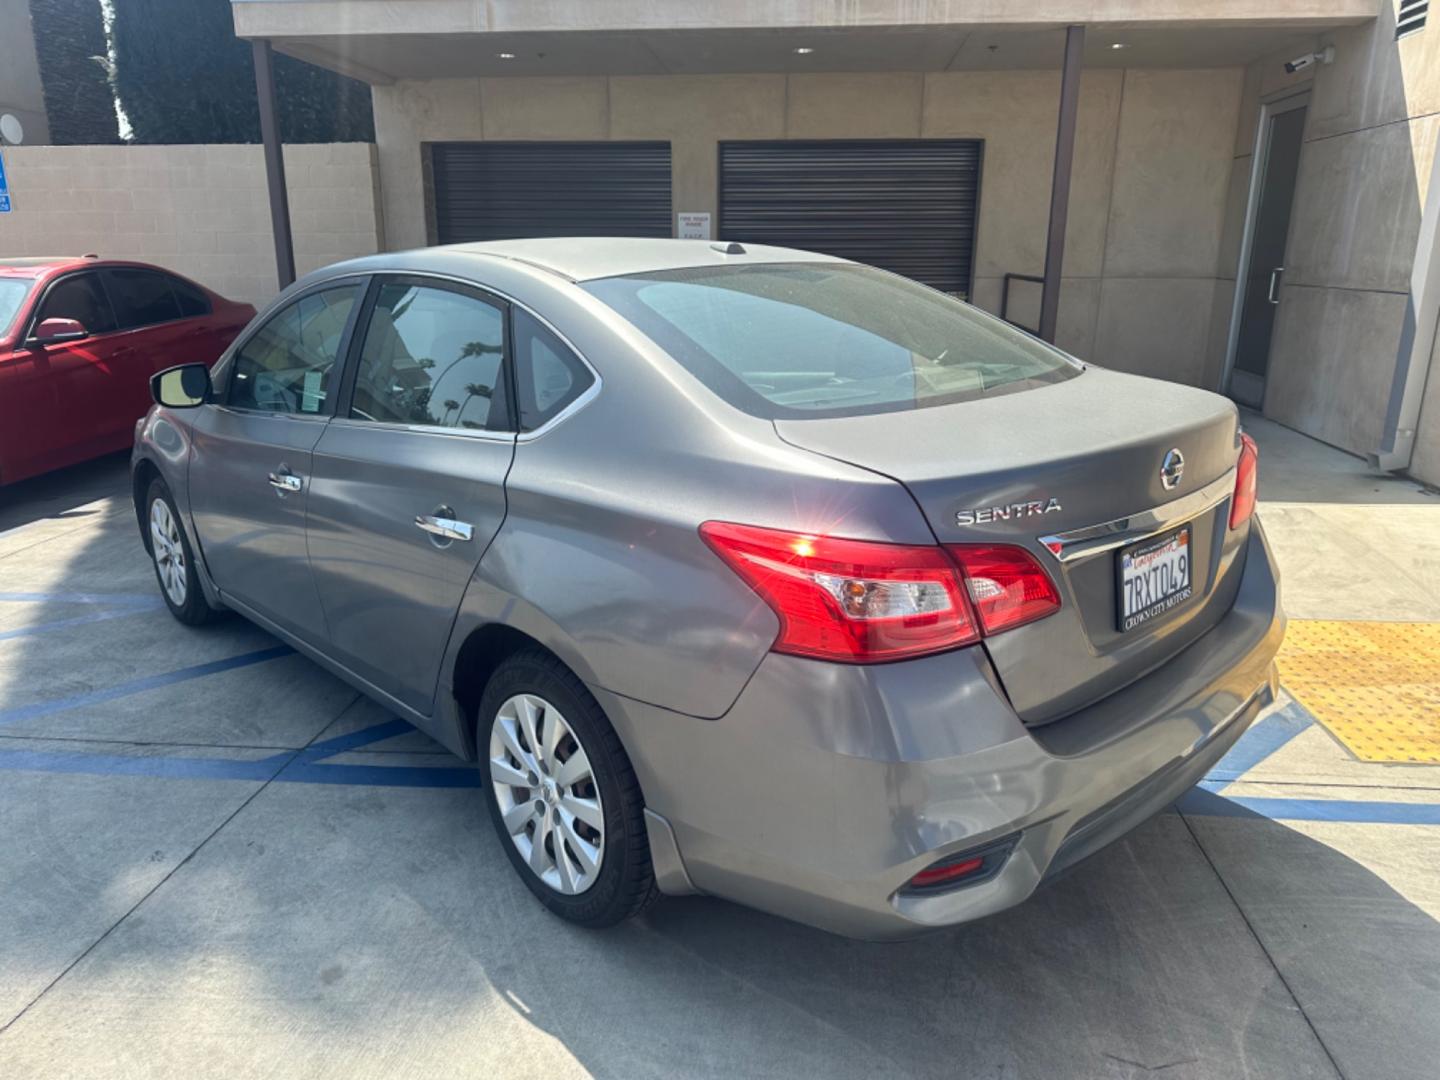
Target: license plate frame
column 1170, row 557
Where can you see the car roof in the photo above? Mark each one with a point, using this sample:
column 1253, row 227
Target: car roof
column 35, row 265
column 585, row 258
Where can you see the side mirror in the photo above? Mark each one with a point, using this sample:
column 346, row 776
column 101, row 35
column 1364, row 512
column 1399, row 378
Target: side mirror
column 182, row 387
column 54, row 331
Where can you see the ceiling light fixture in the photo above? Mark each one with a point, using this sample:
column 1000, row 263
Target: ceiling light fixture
column 1119, row 45
column 803, row 50
column 505, row 55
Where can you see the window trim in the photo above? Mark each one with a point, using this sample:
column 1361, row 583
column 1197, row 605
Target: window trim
column 34, row 320
column 512, row 303
column 226, row 363
column 356, row 344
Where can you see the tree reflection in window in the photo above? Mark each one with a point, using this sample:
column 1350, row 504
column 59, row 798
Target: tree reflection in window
column 402, row 381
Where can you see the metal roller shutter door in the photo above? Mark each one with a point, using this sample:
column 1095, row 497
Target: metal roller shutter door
column 904, row 205
column 506, row 191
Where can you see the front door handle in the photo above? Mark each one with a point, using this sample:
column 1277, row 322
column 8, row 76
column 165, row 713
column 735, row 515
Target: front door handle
column 445, row 525
column 1273, row 295
column 285, row 481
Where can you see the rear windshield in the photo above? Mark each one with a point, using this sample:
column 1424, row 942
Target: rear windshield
column 12, row 295
column 810, row 340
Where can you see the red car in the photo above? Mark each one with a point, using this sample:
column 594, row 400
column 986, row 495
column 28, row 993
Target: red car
column 79, row 340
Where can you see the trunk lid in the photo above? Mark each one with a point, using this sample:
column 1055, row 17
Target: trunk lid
column 1072, row 472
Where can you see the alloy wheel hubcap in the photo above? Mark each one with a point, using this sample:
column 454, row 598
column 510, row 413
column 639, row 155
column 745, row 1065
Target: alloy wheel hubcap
column 168, row 551
column 547, row 794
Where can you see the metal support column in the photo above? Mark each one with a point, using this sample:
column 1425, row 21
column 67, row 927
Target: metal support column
column 1060, row 185
column 274, row 162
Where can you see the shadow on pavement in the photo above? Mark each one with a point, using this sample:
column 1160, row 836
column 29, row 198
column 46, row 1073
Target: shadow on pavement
column 56, row 495
column 1135, row 963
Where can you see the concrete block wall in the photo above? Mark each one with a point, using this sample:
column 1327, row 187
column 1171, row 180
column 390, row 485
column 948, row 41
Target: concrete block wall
column 203, row 211
column 1369, row 148
column 1153, row 163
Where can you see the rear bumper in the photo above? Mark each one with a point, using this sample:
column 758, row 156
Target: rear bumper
column 827, row 787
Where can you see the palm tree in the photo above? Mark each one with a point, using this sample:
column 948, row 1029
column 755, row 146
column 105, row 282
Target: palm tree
column 474, row 390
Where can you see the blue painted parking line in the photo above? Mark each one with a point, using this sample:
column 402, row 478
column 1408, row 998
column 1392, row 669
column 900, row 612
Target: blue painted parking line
column 136, row 599
column 18, row 713
column 1202, row 801
column 153, row 765
column 77, row 620
column 355, row 739
column 307, row 766
column 288, row 766
column 437, row 776
column 1262, row 740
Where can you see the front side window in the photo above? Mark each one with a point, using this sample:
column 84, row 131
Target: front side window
column 288, row 365
column 548, row 374
column 141, row 298
column 12, row 295
column 432, row 357
column 805, row 340
column 78, row 297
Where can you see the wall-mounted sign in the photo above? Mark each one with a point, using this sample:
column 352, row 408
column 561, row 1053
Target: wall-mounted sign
column 4, row 188
column 693, row 226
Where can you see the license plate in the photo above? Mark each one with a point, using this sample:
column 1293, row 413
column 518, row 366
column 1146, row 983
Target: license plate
column 1154, row 577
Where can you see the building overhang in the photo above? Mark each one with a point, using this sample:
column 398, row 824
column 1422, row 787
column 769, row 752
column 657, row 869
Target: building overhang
column 381, row 41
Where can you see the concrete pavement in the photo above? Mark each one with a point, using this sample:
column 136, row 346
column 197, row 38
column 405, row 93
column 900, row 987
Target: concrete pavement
column 215, row 859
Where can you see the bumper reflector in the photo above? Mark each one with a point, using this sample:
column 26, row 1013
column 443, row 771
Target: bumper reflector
column 945, row 873
column 963, row 868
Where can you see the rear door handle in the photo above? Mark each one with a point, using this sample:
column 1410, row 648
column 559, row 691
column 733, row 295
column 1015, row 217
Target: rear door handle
column 446, row 527
column 285, row 481
column 1273, row 295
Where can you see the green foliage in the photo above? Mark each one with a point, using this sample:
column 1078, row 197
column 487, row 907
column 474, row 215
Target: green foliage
column 183, row 77
column 70, row 45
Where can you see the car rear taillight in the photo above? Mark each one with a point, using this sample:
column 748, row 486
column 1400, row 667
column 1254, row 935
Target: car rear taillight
column 851, row 600
column 861, row 601
column 1007, row 586
column 1246, row 482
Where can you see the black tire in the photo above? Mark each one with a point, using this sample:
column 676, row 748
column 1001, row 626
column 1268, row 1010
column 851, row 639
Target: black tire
column 195, row 610
column 625, row 883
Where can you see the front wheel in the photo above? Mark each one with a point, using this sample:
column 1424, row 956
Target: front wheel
column 174, row 562
column 562, row 793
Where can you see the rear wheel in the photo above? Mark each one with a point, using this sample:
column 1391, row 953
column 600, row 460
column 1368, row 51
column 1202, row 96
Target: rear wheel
column 174, row 563
column 562, row 793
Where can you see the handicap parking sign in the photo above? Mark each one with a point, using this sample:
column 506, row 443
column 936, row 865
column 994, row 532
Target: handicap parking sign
column 4, row 188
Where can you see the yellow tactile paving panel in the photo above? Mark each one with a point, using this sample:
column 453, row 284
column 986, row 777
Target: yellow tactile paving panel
column 1375, row 685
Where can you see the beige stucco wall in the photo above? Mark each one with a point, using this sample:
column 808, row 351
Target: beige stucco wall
column 1152, row 169
column 201, row 210
column 20, row 90
column 1426, row 462
column 1370, row 141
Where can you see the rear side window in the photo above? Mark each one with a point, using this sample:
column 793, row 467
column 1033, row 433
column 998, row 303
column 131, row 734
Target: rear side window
column 192, row 301
column 78, row 297
column 549, row 375
column 818, row 339
column 141, row 298
column 432, row 357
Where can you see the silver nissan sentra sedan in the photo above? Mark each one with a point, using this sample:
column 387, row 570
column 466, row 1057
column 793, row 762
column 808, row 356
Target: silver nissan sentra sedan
column 737, row 570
